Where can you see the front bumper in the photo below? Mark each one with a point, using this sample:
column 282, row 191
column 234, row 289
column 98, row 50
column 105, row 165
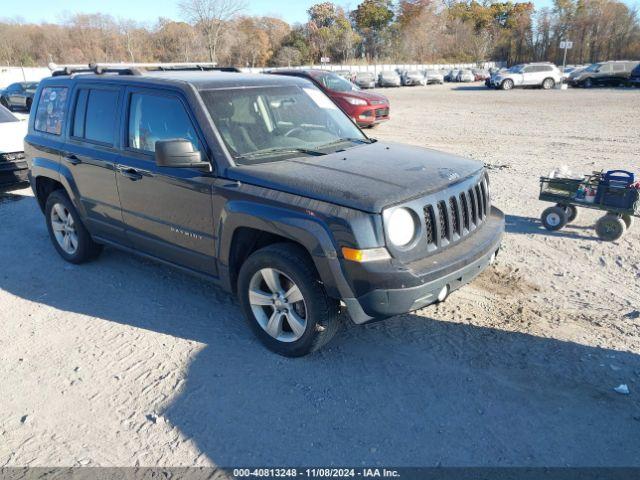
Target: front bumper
column 371, row 114
column 411, row 288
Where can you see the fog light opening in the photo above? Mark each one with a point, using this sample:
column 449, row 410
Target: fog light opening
column 443, row 293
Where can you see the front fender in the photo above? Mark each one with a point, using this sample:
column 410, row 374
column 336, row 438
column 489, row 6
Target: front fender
column 302, row 227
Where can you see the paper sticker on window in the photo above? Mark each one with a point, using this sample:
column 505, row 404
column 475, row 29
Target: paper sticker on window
column 320, row 98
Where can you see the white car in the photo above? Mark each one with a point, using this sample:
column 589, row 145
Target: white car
column 13, row 167
column 545, row 75
column 413, row 77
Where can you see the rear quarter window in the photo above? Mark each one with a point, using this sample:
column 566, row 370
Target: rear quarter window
column 50, row 114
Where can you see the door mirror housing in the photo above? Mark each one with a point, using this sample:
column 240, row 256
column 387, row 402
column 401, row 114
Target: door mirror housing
column 179, row 153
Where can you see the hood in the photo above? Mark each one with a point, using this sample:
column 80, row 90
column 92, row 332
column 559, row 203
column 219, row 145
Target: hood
column 12, row 136
column 367, row 177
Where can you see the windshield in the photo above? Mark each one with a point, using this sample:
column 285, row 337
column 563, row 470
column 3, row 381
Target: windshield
column 336, row 83
column 265, row 124
column 593, row 67
column 30, row 87
column 516, row 69
column 7, row 116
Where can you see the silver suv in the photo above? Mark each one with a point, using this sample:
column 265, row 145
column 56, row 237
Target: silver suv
column 545, row 75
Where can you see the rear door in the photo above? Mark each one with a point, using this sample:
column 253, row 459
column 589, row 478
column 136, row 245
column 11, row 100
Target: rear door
column 167, row 211
column 90, row 155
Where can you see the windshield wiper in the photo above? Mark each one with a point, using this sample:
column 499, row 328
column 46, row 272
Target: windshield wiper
column 278, row 150
column 342, row 140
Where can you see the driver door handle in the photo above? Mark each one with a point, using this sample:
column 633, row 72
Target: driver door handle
column 129, row 172
column 72, row 159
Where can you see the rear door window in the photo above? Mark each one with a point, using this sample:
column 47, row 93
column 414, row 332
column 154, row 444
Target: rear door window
column 51, row 110
column 95, row 115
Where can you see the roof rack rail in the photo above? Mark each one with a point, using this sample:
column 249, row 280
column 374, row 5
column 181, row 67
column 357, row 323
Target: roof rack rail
column 134, row 68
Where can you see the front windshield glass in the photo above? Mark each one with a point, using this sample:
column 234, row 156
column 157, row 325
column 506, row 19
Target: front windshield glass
column 7, row 116
column 30, row 87
column 263, row 124
column 516, row 69
column 593, row 67
column 336, row 83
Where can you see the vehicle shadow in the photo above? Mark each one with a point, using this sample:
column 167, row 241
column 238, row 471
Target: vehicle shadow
column 409, row 391
column 472, row 87
column 528, row 225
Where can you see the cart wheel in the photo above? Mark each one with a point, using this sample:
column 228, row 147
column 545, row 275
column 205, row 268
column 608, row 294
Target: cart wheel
column 554, row 218
column 571, row 210
column 610, row 227
column 628, row 220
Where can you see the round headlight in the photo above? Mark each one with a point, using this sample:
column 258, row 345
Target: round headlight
column 401, row 227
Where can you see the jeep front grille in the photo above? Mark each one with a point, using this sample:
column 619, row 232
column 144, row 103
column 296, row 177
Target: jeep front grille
column 451, row 219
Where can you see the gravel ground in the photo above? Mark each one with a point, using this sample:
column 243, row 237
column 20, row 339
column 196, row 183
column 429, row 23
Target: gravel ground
column 123, row 362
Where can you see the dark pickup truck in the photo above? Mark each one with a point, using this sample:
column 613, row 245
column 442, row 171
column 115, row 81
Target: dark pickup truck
column 261, row 184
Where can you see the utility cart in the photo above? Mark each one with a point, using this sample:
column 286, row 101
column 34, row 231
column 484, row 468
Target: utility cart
column 613, row 192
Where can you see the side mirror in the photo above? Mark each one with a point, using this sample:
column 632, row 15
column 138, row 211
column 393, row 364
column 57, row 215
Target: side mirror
column 179, row 153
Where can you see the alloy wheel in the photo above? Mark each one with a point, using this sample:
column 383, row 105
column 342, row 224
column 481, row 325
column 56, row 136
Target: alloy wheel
column 64, row 230
column 278, row 305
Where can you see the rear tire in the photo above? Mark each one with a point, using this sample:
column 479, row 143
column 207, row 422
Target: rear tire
column 610, row 227
column 554, row 218
column 288, row 308
column 67, row 232
column 4, row 103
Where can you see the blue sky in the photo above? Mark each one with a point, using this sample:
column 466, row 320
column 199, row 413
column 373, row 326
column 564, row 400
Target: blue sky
column 147, row 11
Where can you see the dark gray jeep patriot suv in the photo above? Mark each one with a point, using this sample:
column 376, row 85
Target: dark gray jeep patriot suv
column 261, row 184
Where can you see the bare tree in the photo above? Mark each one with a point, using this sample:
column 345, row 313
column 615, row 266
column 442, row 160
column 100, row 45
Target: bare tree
column 212, row 17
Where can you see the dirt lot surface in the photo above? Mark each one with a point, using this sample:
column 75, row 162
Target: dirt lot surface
column 125, row 362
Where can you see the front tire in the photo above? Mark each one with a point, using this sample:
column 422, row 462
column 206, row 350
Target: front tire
column 507, row 84
column 548, row 83
column 554, row 218
column 67, row 232
column 284, row 301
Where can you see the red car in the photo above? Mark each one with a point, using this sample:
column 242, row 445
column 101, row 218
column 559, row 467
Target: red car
column 365, row 108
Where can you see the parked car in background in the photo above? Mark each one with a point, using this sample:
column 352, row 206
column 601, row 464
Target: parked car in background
column 544, row 74
column 614, row 74
column 367, row 109
column 465, row 76
column 412, row 78
column 389, row 78
column 346, row 74
column 634, row 78
column 480, row 74
column 18, row 95
column 452, row 76
column 365, row 80
column 13, row 167
column 433, row 76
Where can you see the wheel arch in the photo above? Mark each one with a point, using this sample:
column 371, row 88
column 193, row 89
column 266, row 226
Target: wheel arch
column 246, row 226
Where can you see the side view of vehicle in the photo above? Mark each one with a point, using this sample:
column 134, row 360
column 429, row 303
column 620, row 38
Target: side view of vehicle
column 544, row 75
column 613, row 74
column 261, row 185
column 13, row 166
column 18, row 95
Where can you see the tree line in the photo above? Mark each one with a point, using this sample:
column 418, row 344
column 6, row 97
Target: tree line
column 404, row 31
